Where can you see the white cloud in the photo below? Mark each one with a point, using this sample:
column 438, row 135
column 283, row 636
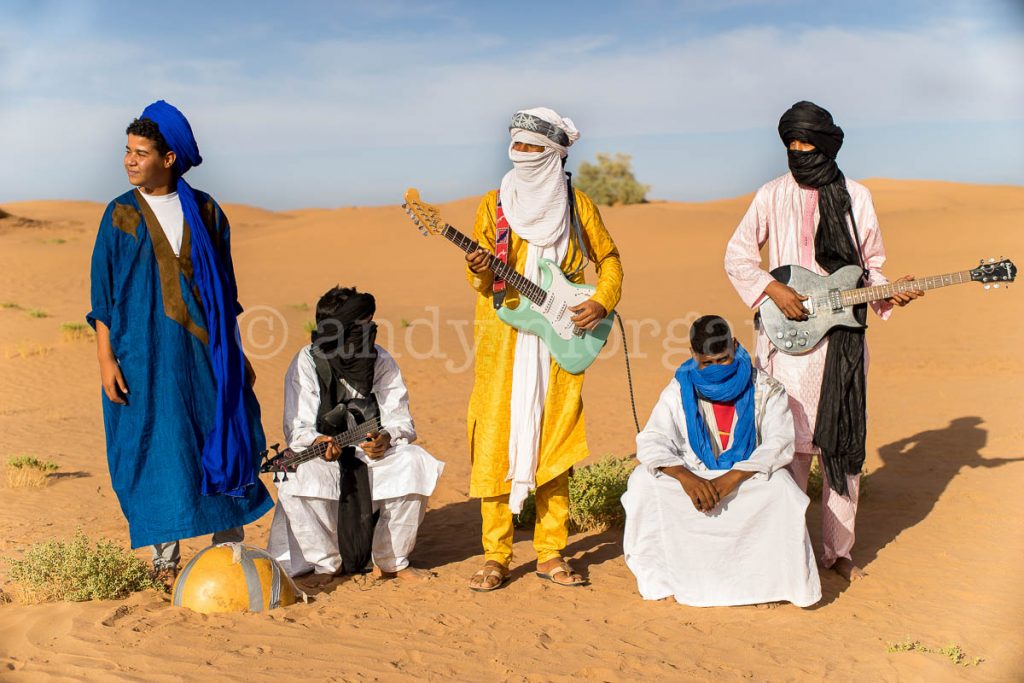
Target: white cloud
column 316, row 100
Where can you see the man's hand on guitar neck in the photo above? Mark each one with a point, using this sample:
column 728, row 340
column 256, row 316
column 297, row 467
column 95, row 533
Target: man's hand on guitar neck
column 908, row 296
column 333, row 452
column 588, row 314
column 478, row 260
column 787, row 299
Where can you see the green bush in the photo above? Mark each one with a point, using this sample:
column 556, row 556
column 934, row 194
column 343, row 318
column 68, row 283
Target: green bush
column 611, row 181
column 77, row 570
column 594, row 493
column 814, row 481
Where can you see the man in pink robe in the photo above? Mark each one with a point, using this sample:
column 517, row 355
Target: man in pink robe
column 785, row 214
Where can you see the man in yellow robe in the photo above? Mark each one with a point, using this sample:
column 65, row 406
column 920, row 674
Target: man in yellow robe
column 526, row 412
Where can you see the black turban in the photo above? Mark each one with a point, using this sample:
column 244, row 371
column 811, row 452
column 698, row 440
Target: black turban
column 346, row 340
column 807, row 122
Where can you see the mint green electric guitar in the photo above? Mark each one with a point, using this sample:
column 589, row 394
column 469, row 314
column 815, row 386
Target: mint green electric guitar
column 543, row 307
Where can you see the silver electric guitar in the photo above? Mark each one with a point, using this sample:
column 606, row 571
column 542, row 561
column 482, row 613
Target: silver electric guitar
column 831, row 299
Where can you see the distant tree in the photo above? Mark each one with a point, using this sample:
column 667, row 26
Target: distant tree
column 611, row 180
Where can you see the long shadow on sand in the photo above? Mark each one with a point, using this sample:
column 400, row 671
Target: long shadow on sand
column 449, row 534
column 903, row 491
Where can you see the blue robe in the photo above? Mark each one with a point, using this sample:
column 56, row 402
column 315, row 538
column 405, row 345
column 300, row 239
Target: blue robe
column 147, row 297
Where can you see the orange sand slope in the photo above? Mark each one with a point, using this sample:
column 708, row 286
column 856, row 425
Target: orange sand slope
column 940, row 531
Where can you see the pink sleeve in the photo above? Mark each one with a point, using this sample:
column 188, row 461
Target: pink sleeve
column 743, row 255
column 872, row 249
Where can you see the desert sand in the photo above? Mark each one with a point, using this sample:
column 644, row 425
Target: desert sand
column 940, row 530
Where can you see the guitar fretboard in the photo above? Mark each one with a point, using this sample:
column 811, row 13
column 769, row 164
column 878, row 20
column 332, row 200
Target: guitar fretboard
column 520, row 283
column 865, row 294
column 350, row 438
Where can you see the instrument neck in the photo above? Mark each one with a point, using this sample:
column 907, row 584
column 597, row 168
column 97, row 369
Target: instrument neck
column 520, row 283
column 864, row 295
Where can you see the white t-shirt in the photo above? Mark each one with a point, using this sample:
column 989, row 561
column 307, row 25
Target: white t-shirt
column 167, row 208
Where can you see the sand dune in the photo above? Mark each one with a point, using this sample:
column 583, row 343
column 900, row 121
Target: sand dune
column 940, row 530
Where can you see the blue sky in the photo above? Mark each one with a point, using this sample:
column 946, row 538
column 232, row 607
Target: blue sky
column 329, row 103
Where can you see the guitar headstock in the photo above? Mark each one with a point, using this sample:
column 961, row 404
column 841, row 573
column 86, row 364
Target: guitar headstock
column 426, row 216
column 995, row 273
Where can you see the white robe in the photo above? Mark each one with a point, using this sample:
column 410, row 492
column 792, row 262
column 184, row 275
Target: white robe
column 304, row 533
column 752, row 548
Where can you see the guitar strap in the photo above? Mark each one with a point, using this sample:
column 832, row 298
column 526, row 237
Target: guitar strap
column 356, row 519
column 860, row 254
column 501, row 240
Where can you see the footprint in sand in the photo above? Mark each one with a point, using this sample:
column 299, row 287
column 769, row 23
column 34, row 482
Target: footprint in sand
column 119, row 613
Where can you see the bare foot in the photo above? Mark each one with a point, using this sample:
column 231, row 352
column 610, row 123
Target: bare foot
column 492, row 577
column 164, row 576
column 408, row 575
column 314, row 581
column 848, row 570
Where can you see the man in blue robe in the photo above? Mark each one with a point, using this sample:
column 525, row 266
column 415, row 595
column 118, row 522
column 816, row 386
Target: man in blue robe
column 182, row 422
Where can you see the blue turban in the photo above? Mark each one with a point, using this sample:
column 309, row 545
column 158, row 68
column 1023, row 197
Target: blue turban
column 228, row 461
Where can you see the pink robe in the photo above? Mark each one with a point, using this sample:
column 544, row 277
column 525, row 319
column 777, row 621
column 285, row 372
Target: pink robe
column 785, row 215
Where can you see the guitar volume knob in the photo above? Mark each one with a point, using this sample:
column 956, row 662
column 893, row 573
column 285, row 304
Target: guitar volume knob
column 778, row 335
column 789, row 344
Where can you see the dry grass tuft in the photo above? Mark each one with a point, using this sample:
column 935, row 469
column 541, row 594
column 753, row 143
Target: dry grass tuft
column 25, row 472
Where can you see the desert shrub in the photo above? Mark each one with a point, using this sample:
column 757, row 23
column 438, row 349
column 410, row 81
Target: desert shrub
column 37, row 313
column 814, row 481
column 953, row 652
column 25, row 471
column 75, row 331
column 77, row 570
column 309, row 326
column 611, row 180
column 594, row 493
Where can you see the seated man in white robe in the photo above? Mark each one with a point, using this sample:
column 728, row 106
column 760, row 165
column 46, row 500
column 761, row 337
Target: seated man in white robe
column 713, row 518
column 341, row 368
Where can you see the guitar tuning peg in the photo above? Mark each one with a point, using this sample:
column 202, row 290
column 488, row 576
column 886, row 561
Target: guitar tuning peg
column 981, row 261
column 996, row 285
column 987, row 286
column 275, row 476
column 991, row 260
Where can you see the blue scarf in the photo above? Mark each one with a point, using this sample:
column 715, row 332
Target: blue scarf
column 732, row 382
column 227, row 458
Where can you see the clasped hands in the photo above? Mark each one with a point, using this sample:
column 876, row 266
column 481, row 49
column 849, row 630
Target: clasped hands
column 706, row 494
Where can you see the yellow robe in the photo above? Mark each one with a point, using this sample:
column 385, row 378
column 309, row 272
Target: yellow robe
column 563, row 441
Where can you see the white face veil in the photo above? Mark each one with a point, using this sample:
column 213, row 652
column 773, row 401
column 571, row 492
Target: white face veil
column 535, row 200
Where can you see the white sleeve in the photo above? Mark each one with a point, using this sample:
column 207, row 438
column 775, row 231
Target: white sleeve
column 661, row 443
column 777, row 438
column 301, row 401
column 393, row 398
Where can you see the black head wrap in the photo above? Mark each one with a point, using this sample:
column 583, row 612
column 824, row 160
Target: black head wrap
column 841, row 426
column 345, row 338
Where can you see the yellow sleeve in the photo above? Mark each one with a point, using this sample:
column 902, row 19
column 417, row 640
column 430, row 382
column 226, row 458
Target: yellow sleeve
column 602, row 251
column 483, row 233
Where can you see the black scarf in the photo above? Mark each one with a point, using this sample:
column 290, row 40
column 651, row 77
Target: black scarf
column 346, row 341
column 841, row 427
